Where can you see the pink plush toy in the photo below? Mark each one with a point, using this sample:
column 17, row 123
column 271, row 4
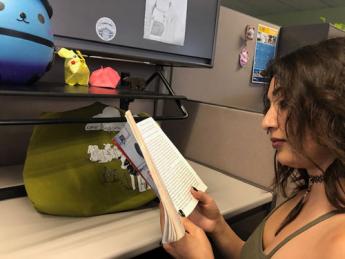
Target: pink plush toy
column 244, row 57
column 104, row 77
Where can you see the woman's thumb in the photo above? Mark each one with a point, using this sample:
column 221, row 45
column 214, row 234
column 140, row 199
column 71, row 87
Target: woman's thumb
column 201, row 196
column 189, row 226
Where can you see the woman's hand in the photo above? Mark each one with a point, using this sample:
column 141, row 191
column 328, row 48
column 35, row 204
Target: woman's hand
column 193, row 245
column 206, row 215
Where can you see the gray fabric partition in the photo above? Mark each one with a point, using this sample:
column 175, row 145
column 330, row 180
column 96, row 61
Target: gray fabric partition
column 229, row 140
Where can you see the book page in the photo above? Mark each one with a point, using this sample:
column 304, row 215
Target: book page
column 177, row 175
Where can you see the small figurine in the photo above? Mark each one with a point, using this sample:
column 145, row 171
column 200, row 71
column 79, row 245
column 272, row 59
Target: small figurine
column 135, row 83
column 76, row 69
column 105, row 77
column 244, row 57
column 250, row 32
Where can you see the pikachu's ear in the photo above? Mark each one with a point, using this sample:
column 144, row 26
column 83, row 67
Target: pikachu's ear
column 65, row 53
column 80, row 55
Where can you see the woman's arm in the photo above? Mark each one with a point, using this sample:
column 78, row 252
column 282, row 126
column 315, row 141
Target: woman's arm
column 208, row 217
column 226, row 240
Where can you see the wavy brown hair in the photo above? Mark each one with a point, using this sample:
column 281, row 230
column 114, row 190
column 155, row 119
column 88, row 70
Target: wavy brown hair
column 311, row 84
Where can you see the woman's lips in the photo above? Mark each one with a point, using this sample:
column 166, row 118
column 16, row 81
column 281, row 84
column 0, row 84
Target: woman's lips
column 277, row 143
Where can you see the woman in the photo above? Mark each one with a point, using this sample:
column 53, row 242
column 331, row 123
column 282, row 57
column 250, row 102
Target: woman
column 305, row 120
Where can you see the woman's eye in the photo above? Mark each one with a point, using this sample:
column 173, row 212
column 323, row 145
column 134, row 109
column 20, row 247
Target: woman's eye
column 266, row 104
column 41, row 18
column 2, row 6
column 283, row 104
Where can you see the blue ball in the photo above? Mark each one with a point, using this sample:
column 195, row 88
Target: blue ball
column 26, row 40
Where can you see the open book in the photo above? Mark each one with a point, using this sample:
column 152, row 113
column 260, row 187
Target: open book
column 164, row 168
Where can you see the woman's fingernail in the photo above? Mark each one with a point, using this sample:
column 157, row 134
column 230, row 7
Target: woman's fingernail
column 195, row 189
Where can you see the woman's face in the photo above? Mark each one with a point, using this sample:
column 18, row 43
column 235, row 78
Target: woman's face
column 274, row 122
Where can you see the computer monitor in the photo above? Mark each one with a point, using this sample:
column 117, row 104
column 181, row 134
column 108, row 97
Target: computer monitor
column 163, row 32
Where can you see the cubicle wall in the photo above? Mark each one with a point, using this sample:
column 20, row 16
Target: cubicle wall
column 228, row 140
column 223, row 130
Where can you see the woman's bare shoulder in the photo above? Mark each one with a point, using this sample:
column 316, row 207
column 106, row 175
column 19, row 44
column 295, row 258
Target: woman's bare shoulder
column 335, row 239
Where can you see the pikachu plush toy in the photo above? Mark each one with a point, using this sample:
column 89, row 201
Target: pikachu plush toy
column 76, row 69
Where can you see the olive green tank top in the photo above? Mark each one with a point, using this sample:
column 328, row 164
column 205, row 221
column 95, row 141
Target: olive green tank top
column 253, row 247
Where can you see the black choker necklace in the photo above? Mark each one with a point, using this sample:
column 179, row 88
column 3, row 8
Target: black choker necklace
column 312, row 179
column 316, row 179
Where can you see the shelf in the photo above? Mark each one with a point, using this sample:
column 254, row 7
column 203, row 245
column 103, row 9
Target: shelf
column 11, row 182
column 126, row 96
column 49, row 89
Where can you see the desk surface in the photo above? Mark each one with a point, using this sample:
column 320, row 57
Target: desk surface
column 25, row 233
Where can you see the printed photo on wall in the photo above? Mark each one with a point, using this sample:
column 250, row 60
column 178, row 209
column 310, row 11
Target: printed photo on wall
column 265, row 50
column 165, row 21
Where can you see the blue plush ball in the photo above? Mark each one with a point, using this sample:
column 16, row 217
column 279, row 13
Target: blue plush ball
column 26, row 40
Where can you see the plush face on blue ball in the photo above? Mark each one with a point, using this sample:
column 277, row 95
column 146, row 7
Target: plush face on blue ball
column 26, row 40
column 26, row 16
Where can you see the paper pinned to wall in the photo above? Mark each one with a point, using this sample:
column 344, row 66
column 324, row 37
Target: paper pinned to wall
column 265, row 50
column 165, row 21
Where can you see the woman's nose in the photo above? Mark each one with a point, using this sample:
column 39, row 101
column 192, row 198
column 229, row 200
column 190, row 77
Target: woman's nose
column 270, row 119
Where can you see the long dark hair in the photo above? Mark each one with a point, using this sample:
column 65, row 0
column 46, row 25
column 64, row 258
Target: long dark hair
column 311, row 83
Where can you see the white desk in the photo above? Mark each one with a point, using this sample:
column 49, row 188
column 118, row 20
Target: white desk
column 25, row 233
